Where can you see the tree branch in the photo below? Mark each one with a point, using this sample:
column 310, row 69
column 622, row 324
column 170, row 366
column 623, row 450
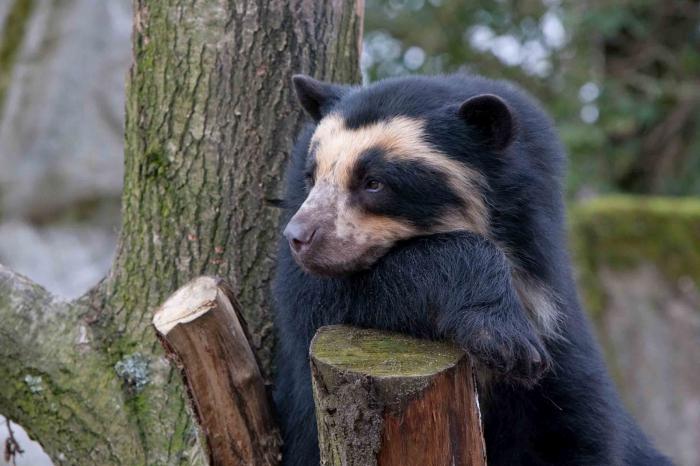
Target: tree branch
column 55, row 382
column 203, row 332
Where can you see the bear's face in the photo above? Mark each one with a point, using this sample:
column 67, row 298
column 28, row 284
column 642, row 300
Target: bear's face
column 372, row 185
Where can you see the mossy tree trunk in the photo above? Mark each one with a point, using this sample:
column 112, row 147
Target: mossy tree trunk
column 210, row 119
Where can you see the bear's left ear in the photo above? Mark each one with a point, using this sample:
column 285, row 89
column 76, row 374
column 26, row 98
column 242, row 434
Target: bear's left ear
column 316, row 97
column 491, row 116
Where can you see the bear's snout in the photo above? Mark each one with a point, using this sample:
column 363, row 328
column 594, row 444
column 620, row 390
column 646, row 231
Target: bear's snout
column 300, row 234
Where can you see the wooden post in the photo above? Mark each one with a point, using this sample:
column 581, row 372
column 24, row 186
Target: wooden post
column 203, row 332
column 389, row 400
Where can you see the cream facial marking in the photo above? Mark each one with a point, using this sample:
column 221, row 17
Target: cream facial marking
column 329, row 204
column 348, row 237
column 338, row 148
column 345, row 239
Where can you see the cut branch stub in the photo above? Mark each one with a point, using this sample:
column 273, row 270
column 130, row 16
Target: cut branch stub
column 202, row 330
column 386, row 399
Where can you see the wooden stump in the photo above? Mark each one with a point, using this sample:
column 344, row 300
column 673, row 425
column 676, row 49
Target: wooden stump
column 389, row 400
column 203, row 332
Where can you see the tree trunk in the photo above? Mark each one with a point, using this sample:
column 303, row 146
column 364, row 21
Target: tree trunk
column 384, row 399
column 210, row 117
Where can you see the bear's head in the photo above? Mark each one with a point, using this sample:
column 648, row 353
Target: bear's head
column 387, row 163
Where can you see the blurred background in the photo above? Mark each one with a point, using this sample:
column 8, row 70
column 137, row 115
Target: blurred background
column 620, row 78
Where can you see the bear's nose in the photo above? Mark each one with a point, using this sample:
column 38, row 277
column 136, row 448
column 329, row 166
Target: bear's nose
column 299, row 234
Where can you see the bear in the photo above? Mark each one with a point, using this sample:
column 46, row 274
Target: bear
column 433, row 206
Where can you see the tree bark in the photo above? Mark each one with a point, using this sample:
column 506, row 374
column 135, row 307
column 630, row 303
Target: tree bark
column 384, row 399
column 209, row 120
column 202, row 330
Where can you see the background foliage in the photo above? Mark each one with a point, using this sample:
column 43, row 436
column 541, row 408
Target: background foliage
column 621, row 78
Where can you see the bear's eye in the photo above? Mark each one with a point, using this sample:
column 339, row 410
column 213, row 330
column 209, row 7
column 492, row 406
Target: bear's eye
column 373, row 186
column 310, row 178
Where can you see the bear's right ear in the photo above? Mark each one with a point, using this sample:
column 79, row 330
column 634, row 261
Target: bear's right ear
column 492, row 117
column 315, row 97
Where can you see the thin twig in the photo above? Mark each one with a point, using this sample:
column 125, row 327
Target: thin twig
column 12, row 448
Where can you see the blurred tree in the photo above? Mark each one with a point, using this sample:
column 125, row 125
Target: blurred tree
column 620, row 78
column 651, row 104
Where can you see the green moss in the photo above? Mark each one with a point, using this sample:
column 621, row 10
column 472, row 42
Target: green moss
column 11, row 39
column 623, row 232
column 184, row 437
column 156, row 163
column 36, row 396
column 379, row 354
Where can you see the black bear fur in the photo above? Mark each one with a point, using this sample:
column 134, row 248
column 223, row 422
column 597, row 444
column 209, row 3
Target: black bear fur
column 551, row 400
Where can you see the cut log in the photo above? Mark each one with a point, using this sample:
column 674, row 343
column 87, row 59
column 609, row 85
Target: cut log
column 389, row 400
column 203, row 332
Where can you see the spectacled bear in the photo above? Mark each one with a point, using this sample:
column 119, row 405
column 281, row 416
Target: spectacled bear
column 433, row 206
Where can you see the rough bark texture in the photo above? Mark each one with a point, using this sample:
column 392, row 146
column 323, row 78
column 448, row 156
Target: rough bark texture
column 210, row 118
column 203, row 332
column 389, row 400
column 56, row 384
